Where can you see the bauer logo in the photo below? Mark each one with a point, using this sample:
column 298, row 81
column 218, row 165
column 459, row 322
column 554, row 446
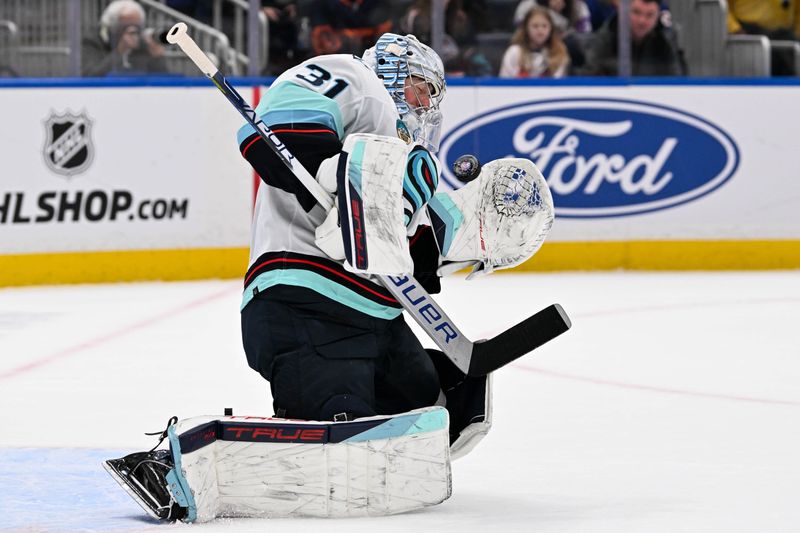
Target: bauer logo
column 603, row 157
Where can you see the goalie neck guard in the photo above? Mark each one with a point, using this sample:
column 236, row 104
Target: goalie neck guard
column 394, row 59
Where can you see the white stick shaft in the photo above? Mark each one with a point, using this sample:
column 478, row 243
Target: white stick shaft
column 178, row 35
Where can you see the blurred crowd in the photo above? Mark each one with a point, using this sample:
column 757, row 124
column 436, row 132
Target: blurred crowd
column 523, row 39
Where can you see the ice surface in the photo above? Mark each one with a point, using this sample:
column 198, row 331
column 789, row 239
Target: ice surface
column 673, row 405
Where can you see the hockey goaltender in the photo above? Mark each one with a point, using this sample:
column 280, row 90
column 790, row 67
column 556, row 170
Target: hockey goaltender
column 366, row 421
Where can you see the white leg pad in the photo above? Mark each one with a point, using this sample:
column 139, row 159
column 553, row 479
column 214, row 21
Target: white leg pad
column 257, row 467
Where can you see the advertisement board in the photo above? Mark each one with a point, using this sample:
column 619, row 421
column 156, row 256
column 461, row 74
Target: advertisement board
column 146, row 174
column 114, row 182
column 643, row 162
column 696, row 176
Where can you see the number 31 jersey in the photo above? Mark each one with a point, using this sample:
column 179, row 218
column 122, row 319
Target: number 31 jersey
column 363, row 101
column 311, row 108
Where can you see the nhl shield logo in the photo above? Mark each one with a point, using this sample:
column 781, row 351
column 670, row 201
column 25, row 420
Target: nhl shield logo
column 68, row 149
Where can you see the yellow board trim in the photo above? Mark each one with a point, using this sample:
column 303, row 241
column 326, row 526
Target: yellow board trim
column 129, row 265
column 225, row 263
column 666, row 255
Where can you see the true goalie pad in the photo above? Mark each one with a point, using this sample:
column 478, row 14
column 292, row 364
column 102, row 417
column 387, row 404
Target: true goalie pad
column 238, row 466
column 498, row 220
column 367, row 226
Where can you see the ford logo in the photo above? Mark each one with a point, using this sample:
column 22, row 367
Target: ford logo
column 602, row 157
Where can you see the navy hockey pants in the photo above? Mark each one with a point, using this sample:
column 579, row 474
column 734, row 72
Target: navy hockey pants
column 323, row 358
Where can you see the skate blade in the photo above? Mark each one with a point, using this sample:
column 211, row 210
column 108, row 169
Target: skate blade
column 132, row 491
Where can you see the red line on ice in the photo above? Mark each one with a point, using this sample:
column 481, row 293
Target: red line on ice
column 112, row 336
column 663, row 390
column 650, row 388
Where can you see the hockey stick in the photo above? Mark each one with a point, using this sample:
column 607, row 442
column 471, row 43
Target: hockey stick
column 472, row 358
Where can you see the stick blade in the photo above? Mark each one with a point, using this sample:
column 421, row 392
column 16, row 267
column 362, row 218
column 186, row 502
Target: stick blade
column 489, row 355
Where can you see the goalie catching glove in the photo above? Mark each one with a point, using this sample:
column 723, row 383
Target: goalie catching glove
column 496, row 221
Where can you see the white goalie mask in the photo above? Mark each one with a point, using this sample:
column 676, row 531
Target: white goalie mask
column 405, row 64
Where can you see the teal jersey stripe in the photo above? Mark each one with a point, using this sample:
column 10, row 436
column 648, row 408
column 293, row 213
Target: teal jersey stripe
column 450, row 214
column 410, row 424
column 289, row 97
column 287, row 103
column 322, row 285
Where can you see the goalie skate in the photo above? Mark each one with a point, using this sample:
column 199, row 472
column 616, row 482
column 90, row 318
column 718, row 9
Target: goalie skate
column 143, row 475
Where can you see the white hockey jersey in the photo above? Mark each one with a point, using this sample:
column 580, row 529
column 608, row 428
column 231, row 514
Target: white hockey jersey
column 312, row 107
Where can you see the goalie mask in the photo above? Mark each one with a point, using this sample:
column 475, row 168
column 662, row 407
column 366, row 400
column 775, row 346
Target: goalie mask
column 414, row 76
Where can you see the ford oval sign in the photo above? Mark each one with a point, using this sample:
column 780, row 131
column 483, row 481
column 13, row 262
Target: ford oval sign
column 603, row 157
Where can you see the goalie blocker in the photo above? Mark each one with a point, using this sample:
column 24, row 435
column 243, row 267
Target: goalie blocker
column 381, row 184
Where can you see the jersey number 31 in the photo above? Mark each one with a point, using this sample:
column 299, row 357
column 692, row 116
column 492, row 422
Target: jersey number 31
column 318, row 76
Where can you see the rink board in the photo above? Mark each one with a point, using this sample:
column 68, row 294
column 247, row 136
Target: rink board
column 142, row 179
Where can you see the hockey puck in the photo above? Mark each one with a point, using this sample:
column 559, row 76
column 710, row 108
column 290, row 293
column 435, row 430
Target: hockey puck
column 466, row 168
column 228, row 411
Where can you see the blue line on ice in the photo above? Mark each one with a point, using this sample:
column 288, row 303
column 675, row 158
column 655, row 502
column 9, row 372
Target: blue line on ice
column 59, row 490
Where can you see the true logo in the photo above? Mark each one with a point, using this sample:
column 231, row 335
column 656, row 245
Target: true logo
column 68, row 148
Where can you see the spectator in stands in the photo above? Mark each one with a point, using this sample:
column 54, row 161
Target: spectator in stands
column 571, row 20
column 123, row 45
column 602, row 10
column 536, row 49
column 776, row 19
column 654, row 49
column 568, row 15
column 284, row 49
column 348, row 26
column 459, row 51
